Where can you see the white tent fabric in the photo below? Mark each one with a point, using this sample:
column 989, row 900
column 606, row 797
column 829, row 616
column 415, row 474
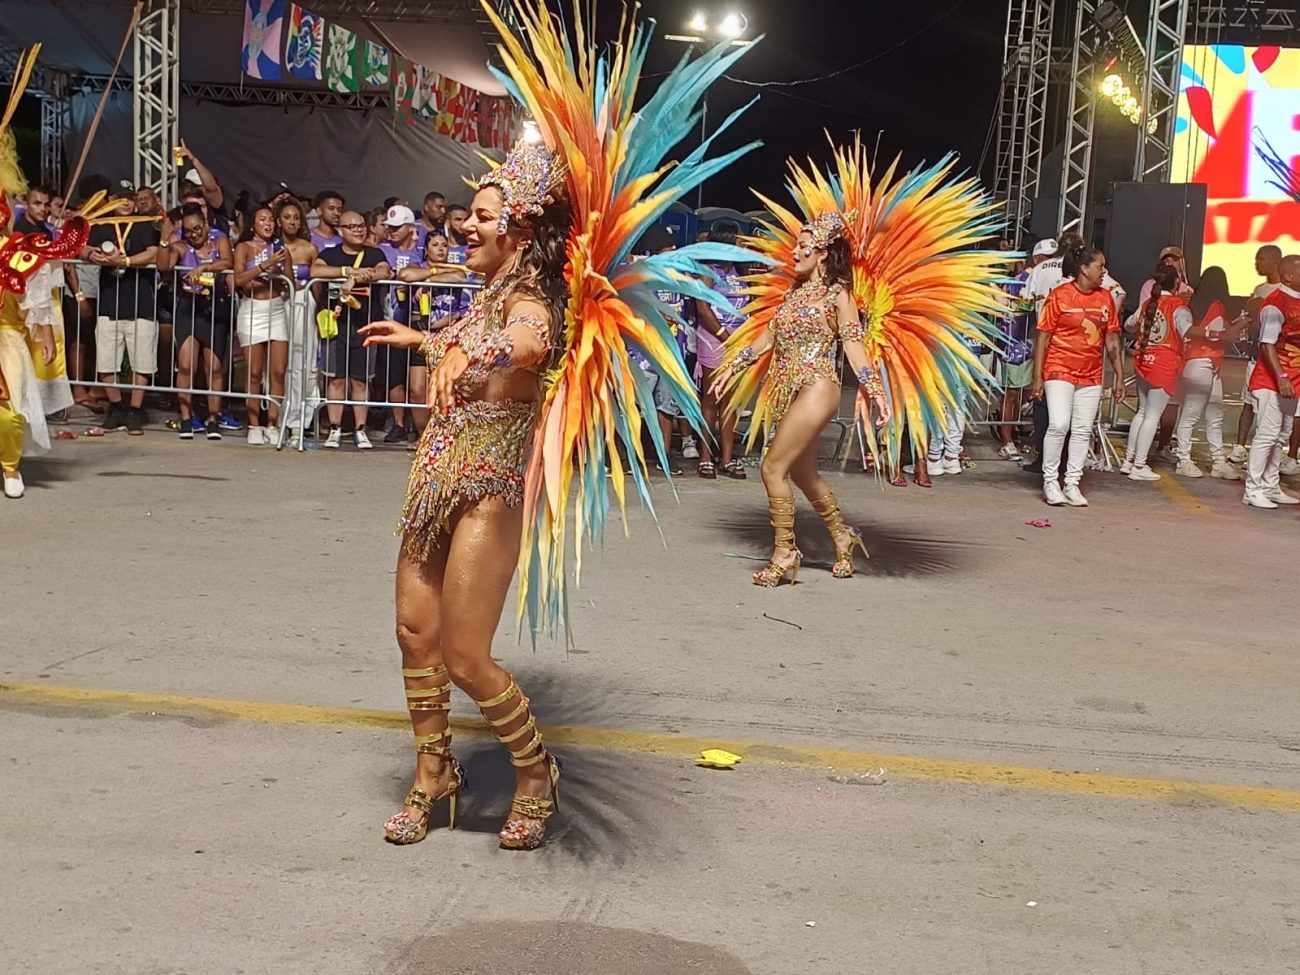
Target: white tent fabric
column 364, row 155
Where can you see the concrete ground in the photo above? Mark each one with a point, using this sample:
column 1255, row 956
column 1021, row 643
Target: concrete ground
column 1090, row 732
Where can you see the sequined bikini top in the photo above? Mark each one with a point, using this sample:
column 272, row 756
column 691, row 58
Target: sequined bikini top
column 804, row 322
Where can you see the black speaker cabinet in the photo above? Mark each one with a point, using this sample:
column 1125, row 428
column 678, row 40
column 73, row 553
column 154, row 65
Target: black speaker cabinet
column 1143, row 219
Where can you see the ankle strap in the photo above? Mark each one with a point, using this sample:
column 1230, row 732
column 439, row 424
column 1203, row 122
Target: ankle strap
column 438, row 743
column 511, row 690
column 421, row 698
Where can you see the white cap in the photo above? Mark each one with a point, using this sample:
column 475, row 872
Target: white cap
column 399, row 216
column 192, row 176
column 1046, row 247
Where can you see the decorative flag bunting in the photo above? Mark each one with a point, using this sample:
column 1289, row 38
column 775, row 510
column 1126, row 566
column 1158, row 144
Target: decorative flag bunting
column 451, row 105
column 343, row 60
column 402, row 75
column 376, row 64
column 263, row 29
column 305, row 51
column 495, row 118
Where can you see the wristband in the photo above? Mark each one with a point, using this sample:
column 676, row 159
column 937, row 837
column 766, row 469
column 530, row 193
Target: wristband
column 743, row 359
column 80, row 295
column 869, row 381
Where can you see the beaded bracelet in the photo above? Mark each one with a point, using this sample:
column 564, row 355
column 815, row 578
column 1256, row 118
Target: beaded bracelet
column 869, row 381
column 743, row 359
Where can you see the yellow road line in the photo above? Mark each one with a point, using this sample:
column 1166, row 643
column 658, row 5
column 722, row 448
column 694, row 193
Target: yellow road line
column 679, row 746
column 1179, row 495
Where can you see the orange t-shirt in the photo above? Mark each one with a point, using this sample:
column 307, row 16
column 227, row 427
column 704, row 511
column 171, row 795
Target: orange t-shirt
column 1159, row 360
column 1214, row 322
column 1078, row 324
column 1287, row 345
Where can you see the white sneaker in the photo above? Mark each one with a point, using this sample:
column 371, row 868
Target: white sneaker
column 936, row 468
column 255, row 437
column 1009, row 451
column 952, row 465
column 1290, row 467
column 334, row 440
column 1143, row 473
column 272, row 435
column 361, row 440
column 1238, row 454
column 1186, row 468
column 1126, row 467
column 1281, row 497
column 689, row 450
column 14, row 486
column 1074, row 497
column 1052, row 493
column 1257, row 499
column 1224, row 470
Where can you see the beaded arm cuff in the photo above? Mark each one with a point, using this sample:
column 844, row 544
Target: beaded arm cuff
column 852, row 331
column 489, row 351
column 743, row 359
column 869, row 381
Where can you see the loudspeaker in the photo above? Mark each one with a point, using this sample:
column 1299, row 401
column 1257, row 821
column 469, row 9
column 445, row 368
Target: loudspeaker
column 1146, row 217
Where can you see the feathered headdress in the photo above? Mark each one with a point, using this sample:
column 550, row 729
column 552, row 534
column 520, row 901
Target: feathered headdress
column 528, row 180
column 928, row 296
column 613, row 157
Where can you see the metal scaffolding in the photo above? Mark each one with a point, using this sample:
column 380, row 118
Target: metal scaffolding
column 54, row 128
column 155, row 95
column 1251, row 15
column 1022, row 109
column 1166, row 29
column 1080, row 114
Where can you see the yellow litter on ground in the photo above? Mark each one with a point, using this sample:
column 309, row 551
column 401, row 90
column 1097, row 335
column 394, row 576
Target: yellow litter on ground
column 716, row 758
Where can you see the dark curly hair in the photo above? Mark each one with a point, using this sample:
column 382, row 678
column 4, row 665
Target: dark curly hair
column 1077, row 258
column 543, row 258
column 839, row 263
column 292, row 204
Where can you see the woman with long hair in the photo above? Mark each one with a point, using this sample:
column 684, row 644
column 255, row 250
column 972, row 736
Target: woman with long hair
column 1160, row 326
column 1077, row 324
column 262, row 322
column 291, row 222
column 529, row 386
column 860, row 270
column 715, row 323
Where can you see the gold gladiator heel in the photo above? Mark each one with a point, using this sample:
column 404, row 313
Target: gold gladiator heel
column 829, row 509
column 781, row 514
column 525, row 829
column 404, row 829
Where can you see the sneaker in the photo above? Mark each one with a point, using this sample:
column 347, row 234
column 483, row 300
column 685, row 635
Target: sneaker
column 226, row 420
column 1074, row 497
column 185, row 428
column 272, row 436
column 935, row 468
column 1224, row 470
column 14, row 487
column 255, row 437
column 1257, row 499
column 1126, row 468
column 689, row 450
column 1238, row 454
column 1142, row 473
column 1186, row 468
column 1290, row 467
column 196, row 424
column 670, row 469
column 952, row 465
column 1052, row 493
column 135, row 423
column 334, row 440
column 1166, row 456
column 115, row 418
column 361, row 440
column 1009, row 451
column 1281, row 497
column 396, row 435
column 213, row 429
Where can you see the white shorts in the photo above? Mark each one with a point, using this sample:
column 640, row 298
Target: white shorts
column 137, row 337
column 261, row 320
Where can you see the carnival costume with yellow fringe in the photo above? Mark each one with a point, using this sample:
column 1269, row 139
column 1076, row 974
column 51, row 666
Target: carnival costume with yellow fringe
column 607, row 161
column 926, row 296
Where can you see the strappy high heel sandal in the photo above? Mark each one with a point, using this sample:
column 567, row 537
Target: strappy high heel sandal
column 403, row 828
column 781, row 514
column 525, row 829
column 829, row 509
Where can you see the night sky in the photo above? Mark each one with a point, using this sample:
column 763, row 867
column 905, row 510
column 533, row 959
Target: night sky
column 934, row 93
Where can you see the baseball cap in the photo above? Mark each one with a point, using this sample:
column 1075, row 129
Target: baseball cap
column 1046, row 247
column 124, row 186
column 657, row 238
column 192, row 176
column 399, row 216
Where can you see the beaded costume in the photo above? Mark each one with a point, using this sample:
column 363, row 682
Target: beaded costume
column 925, row 294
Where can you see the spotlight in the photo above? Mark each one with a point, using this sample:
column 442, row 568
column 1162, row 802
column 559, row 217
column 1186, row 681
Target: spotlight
column 732, row 25
column 698, row 22
column 532, row 134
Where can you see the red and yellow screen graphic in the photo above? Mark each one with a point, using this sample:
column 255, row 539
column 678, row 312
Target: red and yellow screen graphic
column 1232, row 100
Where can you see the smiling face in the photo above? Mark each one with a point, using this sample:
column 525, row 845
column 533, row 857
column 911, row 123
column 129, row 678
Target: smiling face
column 194, row 229
column 331, row 212
column 488, row 250
column 807, row 258
column 352, row 226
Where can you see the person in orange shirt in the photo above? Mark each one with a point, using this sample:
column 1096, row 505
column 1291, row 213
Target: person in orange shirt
column 1163, row 323
column 1202, row 384
column 1077, row 323
column 1273, row 388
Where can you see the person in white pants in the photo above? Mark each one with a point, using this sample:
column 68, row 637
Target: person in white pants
column 1267, row 259
column 1203, row 393
column 1077, row 322
column 944, row 455
column 1162, row 324
column 1273, row 389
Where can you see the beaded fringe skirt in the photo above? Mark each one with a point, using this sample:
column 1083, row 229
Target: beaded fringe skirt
column 475, row 451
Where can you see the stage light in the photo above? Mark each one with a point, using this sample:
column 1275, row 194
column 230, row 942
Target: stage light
column 698, row 22
column 531, row 134
column 1111, row 85
column 732, row 25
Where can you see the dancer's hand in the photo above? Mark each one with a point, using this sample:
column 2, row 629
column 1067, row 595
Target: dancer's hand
column 390, row 333
column 48, row 348
column 870, row 405
column 720, row 379
column 1036, row 389
column 442, row 384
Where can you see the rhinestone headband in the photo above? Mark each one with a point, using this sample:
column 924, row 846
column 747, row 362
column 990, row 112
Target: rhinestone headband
column 528, row 180
column 827, row 228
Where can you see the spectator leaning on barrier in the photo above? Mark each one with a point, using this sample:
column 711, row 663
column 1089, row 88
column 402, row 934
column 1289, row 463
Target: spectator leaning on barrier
column 262, row 322
column 147, row 202
column 348, row 364
column 328, row 205
column 201, row 317
column 433, row 215
column 127, row 320
column 36, row 216
column 393, row 365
